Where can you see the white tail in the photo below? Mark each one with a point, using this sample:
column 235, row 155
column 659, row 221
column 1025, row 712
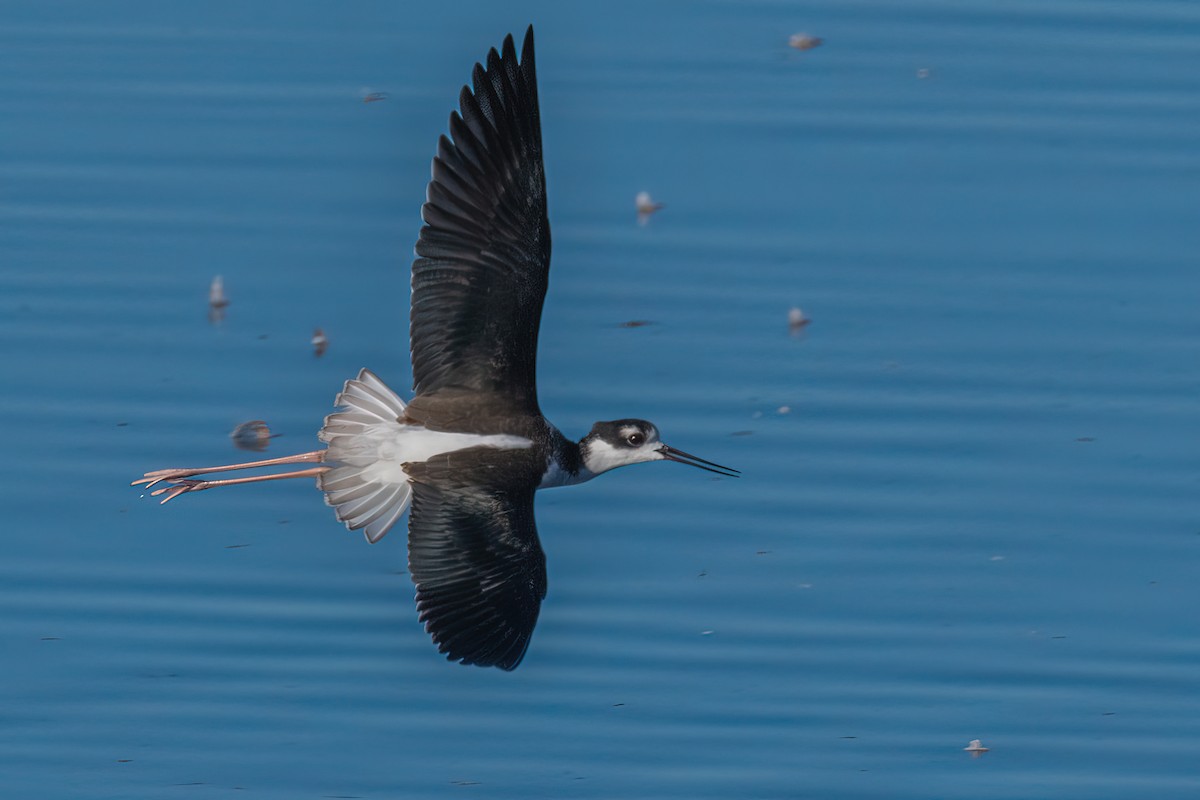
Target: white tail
column 367, row 489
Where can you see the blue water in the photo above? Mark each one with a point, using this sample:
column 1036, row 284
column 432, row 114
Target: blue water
column 970, row 502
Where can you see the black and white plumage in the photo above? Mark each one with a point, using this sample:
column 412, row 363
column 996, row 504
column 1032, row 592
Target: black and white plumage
column 480, row 277
column 467, row 453
column 474, row 554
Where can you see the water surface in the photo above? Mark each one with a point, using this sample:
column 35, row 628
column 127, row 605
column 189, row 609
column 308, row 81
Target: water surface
column 969, row 507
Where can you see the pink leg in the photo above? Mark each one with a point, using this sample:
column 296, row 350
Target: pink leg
column 175, row 473
column 182, row 486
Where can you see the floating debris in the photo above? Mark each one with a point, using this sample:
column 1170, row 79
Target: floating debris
column 646, row 207
column 253, row 435
column 373, row 97
column 923, row 73
column 217, row 301
column 320, row 342
column 216, row 293
column 636, row 323
column 804, row 41
column 796, row 320
column 976, row 748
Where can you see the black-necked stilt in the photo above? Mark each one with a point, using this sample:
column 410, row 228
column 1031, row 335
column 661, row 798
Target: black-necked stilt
column 471, row 447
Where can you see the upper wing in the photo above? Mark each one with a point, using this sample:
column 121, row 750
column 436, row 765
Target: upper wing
column 474, row 554
column 484, row 253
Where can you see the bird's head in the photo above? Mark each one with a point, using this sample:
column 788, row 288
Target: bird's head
column 632, row 441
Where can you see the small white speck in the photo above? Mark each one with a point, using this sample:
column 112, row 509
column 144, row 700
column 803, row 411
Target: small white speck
column 976, row 748
column 707, row 633
column 996, row 558
column 923, row 73
column 784, row 410
column 797, row 320
column 320, row 342
column 646, row 206
column 216, row 293
column 217, row 301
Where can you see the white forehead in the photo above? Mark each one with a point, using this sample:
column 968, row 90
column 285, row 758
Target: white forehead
column 628, row 430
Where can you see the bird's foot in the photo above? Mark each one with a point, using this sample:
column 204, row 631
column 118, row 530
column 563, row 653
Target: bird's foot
column 177, row 487
column 159, row 475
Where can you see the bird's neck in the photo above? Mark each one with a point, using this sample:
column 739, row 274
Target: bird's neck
column 566, row 464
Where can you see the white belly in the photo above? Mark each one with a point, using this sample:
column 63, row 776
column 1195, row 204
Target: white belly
column 368, row 448
column 380, row 449
column 366, row 483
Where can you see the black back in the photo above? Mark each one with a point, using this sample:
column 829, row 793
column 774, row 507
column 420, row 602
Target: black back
column 479, row 281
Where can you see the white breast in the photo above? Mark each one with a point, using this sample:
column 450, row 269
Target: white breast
column 387, row 445
column 557, row 476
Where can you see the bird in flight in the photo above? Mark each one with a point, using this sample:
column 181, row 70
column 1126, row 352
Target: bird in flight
column 466, row 454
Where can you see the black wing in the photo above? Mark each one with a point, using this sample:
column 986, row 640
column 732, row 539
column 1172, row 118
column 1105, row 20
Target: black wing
column 474, row 554
column 484, row 253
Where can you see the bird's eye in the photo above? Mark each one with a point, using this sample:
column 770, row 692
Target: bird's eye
column 635, row 439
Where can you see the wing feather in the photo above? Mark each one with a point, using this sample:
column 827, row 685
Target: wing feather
column 483, row 255
column 474, row 553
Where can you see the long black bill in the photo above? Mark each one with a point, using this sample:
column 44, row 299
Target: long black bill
column 671, row 454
